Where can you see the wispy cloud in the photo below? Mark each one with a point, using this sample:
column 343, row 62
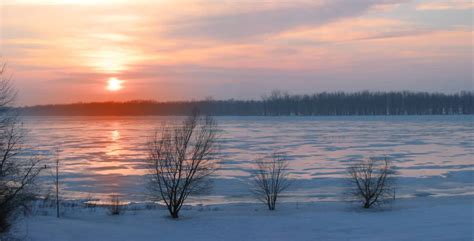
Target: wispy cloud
column 353, row 29
column 258, row 22
column 446, row 5
column 183, row 49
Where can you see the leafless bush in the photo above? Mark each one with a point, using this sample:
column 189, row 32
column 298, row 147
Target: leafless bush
column 271, row 178
column 372, row 182
column 115, row 206
column 181, row 160
column 17, row 172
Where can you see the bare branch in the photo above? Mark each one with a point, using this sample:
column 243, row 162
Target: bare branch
column 372, row 182
column 271, row 178
column 181, row 160
column 17, row 172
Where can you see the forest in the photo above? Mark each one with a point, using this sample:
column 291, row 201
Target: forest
column 280, row 103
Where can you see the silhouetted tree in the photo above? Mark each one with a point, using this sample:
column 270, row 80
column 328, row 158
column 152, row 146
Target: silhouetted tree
column 181, row 160
column 270, row 179
column 17, row 172
column 372, row 181
column 115, row 206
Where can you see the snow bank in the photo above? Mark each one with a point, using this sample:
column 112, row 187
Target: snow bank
column 423, row 218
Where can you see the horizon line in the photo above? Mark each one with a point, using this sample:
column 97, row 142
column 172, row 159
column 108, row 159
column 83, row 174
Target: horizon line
column 211, row 98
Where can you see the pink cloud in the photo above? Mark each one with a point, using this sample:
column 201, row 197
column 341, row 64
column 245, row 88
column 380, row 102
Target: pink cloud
column 446, row 5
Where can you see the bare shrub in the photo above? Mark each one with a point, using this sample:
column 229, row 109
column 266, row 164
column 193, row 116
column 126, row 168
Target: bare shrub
column 116, row 207
column 372, row 182
column 181, row 160
column 271, row 178
column 17, row 172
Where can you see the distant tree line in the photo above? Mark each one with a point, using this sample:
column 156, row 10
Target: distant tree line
column 280, row 103
column 369, row 103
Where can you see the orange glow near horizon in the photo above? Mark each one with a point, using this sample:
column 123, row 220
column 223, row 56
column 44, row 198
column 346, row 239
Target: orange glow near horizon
column 62, row 51
column 114, row 84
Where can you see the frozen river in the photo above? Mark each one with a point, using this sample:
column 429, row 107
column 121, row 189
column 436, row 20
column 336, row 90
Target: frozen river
column 434, row 155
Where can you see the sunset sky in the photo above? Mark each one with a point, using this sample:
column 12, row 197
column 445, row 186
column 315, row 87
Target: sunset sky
column 99, row 50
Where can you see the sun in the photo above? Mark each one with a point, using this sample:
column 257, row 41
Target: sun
column 114, row 84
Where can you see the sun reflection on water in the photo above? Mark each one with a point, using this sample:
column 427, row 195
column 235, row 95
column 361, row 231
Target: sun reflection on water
column 115, row 135
column 114, row 149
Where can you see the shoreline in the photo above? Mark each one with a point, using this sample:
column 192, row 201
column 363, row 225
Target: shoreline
column 421, row 218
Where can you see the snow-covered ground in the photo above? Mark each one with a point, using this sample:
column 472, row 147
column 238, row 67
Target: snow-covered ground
column 422, row 218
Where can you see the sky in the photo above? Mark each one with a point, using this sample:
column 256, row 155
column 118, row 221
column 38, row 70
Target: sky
column 64, row 51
